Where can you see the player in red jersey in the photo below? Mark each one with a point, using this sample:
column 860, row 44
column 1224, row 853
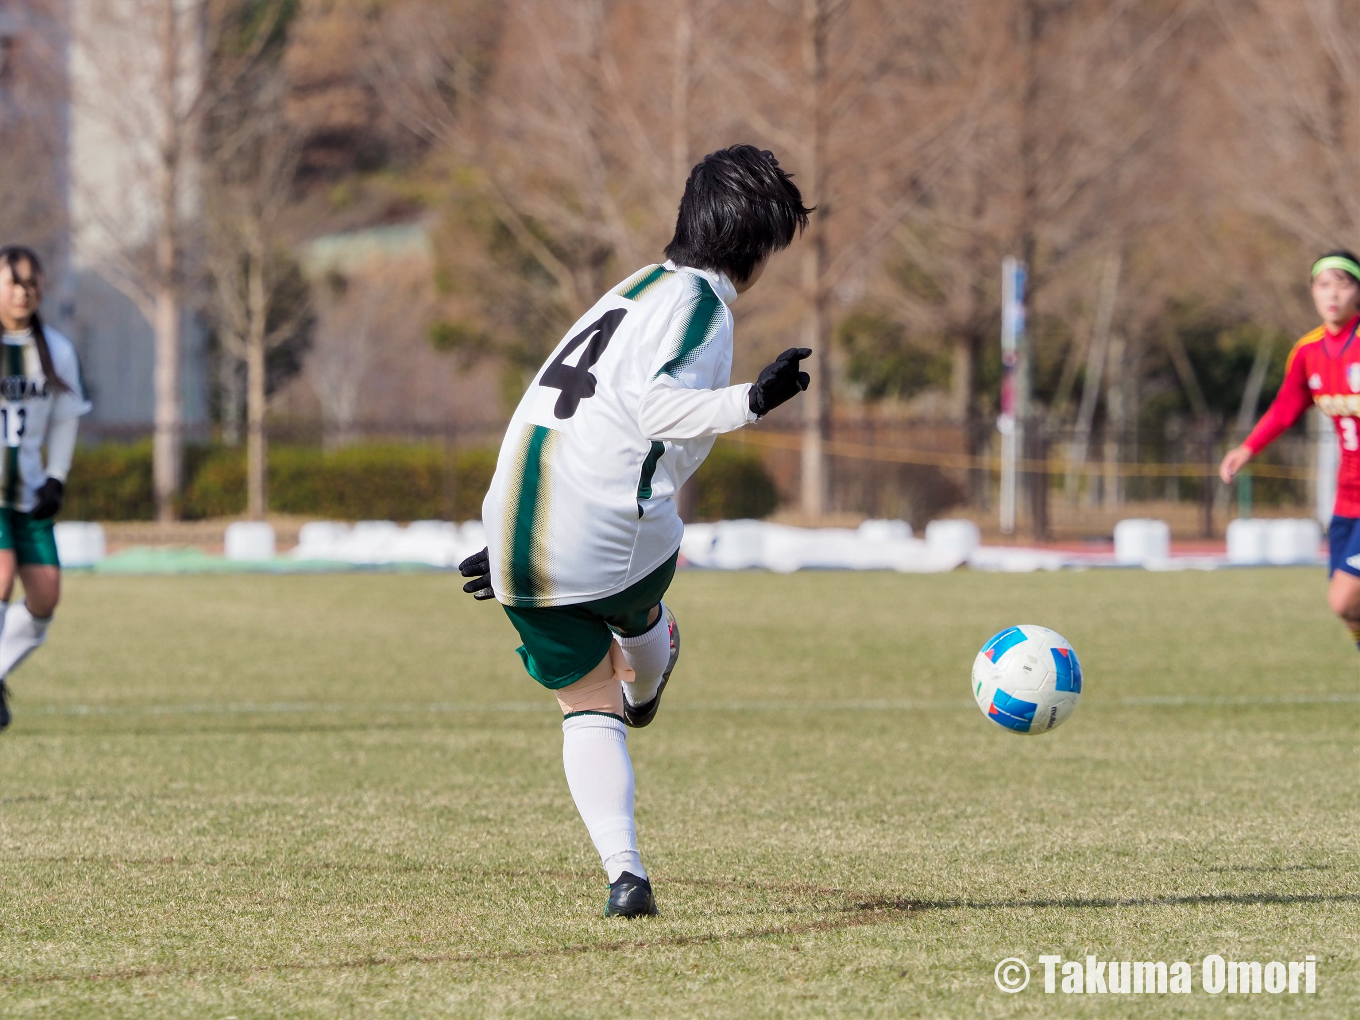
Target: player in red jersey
column 1324, row 369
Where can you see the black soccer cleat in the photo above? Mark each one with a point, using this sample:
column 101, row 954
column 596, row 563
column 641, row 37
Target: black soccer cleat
column 630, row 896
column 638, row 716
column 4, row 705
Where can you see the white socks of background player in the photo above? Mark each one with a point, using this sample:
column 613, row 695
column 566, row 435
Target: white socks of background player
column 647, row 655
column 22, row 634
column 600, row 775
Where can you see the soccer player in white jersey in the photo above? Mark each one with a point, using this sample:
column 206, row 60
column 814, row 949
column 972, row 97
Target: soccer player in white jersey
column 581, row 522
column 42, row 398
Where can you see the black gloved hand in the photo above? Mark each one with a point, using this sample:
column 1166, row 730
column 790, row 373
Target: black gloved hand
column 779, row 381
column 478, row 567
column 48, row 500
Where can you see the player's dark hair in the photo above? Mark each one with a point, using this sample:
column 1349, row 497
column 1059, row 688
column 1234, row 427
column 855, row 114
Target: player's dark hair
column 739, row 207
column 13, row 255
column 1344, row 254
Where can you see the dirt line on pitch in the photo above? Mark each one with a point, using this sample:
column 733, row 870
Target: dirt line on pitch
column 771, row 705
column 858, row 915
column 495, row 956
column 109, row 861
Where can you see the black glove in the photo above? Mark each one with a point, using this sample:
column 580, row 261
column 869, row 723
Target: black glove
column 780, row 381
column 49, row 500
column 478, row 567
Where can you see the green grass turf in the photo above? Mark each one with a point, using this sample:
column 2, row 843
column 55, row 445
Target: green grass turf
column 340, row 796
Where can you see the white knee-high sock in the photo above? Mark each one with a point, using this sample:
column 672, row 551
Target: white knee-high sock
column 600, row 775
column 22, row 634
column 647, row 655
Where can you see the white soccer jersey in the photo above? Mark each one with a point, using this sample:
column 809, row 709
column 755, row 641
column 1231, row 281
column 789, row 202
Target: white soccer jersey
column 29, row 405
column 626, row 409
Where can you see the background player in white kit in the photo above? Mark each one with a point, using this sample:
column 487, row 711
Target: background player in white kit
column 41, row 400
column 582, row 528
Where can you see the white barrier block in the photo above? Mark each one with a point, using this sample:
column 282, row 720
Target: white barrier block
column 1138, row 541
column 79, row 543
column 1292, row 540
column 739, row 545
column 436, row 543
column 785, row 549
column 697, row 544
column 472, row 534
column 834, row 548
column 1310, row 540
column 884, row 531
column 320, row 540
column 371, row 542
column 953, row 539
column 1247, row 540
column 250, row 540
column 882, row 545
column 322, row 534
column 1010, row 560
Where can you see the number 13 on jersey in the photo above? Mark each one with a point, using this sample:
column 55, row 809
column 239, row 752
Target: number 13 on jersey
column 13, row 421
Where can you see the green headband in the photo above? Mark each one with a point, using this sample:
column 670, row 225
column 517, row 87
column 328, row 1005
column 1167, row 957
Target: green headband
column 1336, row 262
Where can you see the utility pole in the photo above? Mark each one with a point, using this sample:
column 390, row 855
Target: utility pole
column 1011, row 422
column 816, row 323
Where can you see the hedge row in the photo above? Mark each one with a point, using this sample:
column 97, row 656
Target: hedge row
column 112, row 482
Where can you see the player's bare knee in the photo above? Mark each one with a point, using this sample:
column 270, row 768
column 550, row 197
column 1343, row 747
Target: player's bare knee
column 1345, row 603
column 42, row 589
column 1343, row 596
column 42, row 608
column 42, row 601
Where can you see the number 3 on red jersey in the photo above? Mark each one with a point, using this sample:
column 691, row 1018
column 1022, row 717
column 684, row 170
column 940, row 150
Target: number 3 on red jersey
column 1350, row 435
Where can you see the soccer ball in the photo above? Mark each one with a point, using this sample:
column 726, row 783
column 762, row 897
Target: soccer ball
column 1027, row 679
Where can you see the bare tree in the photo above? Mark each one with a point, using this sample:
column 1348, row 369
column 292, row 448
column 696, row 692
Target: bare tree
column 139, row 81
column 843, row 87
column 562, row 163
column 142, row 86
column 33, row 92
column 259, row 300
column 349, row 317
column 363, row 316
column 1292, row 86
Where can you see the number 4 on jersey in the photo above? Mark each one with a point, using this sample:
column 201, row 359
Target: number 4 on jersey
column 575, row 381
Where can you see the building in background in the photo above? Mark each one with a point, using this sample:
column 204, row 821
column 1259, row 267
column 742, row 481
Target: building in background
column 77, row 89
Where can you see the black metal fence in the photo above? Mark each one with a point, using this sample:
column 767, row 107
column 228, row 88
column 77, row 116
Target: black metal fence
column 915, row 469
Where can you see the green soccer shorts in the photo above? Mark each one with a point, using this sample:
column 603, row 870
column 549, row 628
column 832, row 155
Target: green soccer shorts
column 564, row 643
column 33, row 541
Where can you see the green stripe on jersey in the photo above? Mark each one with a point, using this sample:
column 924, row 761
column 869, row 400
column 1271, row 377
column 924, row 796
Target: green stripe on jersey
column 14, row 365
column 649, row 470
column 527, row 518
column 642, row 281
column 704, row 317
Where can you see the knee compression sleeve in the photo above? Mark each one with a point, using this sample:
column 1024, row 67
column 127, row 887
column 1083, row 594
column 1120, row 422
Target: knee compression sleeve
column 598, row 691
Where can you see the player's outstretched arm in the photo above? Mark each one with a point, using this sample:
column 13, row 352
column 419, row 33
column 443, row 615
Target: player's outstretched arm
column 1234, row 461
column 478, row 567
column 672, row 410
column 1294, row 398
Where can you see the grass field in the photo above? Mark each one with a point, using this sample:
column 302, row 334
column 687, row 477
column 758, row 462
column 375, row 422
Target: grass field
column 340, row 796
